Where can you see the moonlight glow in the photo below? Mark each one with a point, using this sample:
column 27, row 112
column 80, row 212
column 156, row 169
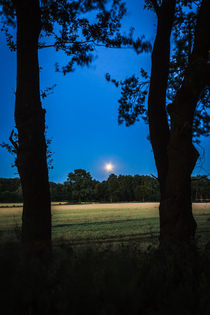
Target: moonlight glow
column 109, row 167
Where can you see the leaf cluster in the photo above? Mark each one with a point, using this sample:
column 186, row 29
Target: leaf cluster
column 134, row 89
column 133, row 95
column 77, row 28
column 183, row 37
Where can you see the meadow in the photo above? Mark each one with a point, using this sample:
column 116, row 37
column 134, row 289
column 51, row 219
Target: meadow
column 115, row 223
column 102, row 264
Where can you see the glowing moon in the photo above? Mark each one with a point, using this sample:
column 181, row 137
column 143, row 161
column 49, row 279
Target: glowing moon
column 109, row 167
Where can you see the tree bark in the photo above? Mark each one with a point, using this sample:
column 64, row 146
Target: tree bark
column 158, row 121
column 176, row 219
column 30, row 123
column 174, row 153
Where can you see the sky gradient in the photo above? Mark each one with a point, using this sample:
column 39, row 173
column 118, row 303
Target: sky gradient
column 82, row 112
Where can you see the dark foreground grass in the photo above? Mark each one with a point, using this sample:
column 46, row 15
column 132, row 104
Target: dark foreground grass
column 103, row 281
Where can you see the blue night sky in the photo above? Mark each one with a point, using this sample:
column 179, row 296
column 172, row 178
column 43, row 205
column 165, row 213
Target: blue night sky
column 82, row 112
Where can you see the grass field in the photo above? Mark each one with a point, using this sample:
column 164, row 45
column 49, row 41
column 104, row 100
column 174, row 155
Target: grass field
column 103, row 223
column 103, row 267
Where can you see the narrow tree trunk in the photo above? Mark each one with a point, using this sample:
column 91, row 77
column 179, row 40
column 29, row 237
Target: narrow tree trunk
column 158, row 121
column 30, row 123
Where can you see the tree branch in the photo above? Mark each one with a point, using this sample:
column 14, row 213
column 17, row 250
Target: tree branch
column 197, row 73
column 42, row 46
column 14, row 143
column 155, row 6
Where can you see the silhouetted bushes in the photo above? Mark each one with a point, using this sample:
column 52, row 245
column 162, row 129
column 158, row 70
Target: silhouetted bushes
column 90, row 281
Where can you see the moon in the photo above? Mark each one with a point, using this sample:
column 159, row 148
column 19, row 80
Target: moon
column 109, row 167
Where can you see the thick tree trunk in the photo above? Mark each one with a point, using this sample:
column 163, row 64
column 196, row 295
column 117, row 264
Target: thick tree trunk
column 175, row 155
column 176, row 219
column 30, row 123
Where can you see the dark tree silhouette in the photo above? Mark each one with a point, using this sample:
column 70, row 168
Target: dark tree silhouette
column 30, row 123
column 184, row 79
column 81, row 185
column 176, row 219
column 60, row 24
column 124, row 188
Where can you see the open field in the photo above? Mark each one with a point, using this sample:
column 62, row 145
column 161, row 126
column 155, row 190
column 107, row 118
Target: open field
column 103, row 223
column 107, row 270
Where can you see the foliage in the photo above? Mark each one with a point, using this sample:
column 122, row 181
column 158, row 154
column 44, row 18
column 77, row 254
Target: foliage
column 133, row 98
column 103, row 281
column 10, row 190
column 12, row 147
column 116, row 188
column 58, row 192
column 9, row 184
column 184, row 37
column 134, row 89
column 77, row 28
column 80, row 186
column 200, row 188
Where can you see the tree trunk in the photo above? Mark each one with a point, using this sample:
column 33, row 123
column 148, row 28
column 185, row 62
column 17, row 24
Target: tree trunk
column 158, row 120
column 175, row 155
column 30, row 123
column 177, row 221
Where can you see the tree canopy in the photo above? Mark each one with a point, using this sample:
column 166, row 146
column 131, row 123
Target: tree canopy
column 135, row 89
column 122, row 188
column 178, row 106
column 77, row 28
column 177, row 92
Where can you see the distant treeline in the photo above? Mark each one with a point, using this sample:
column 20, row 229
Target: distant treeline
column 81, row 187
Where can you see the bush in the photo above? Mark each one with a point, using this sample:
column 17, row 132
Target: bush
column 103, row 281
column 11, row 196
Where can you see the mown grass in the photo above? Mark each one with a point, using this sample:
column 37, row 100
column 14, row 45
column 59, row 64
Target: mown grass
column 100, row 278
column 104, row 223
